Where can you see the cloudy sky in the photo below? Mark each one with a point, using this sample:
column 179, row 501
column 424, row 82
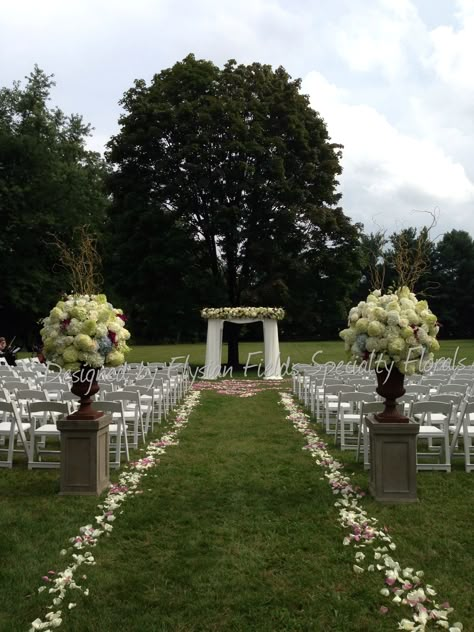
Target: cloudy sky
column 393, row 80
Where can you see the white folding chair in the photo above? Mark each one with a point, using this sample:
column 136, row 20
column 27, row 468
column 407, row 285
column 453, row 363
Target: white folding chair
column 24, row 396
column 434, row 418
column 162, row 384
column 12, row 429
column 348, row 416
column 422, row 391
column 330, row 404
column 117, row 430
column 318, row 383
column 147, row 403
column 13, row 385
column 464, row 430
column 297, row 377
column 132, row 411
column 43, row 417
column 452, row 389
column 367, row 408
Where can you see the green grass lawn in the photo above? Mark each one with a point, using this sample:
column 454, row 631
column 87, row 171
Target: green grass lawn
column 236, row 531
column 294, row 351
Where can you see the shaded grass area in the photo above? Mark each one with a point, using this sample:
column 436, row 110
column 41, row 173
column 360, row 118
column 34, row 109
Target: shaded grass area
column 35, row 523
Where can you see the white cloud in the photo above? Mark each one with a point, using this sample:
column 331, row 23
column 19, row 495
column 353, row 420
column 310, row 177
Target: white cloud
column 396, row 94
column 377, row 36
column 453, row 50
column 389, row 169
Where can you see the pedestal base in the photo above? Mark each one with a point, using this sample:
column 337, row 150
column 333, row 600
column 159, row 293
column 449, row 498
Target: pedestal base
column 84, row 456
column 392, row 461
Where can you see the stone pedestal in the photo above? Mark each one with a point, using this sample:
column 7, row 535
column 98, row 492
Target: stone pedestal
column 84, row 455
column 392, row 461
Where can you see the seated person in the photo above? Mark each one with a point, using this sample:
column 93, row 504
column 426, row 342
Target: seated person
column 6, row 352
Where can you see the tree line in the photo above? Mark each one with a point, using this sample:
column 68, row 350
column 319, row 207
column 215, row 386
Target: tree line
column 220, row 189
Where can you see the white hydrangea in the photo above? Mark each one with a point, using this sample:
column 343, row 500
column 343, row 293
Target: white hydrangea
column 397, row 327
column 85, row 330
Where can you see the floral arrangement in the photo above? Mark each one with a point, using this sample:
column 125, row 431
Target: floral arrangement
column 85, row 329
column 274, row 313
column 392, row 328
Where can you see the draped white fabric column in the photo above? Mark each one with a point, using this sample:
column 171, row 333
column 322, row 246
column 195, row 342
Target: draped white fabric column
column 215, row 328
column 212, row 366
column 272, row 349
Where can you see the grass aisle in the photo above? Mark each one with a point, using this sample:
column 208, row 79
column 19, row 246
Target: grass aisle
column 235, row 531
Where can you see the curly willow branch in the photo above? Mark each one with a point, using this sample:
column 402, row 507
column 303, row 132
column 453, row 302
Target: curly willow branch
column 82, row 263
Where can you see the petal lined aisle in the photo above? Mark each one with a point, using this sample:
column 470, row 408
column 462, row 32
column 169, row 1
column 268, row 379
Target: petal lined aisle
column 234, row 532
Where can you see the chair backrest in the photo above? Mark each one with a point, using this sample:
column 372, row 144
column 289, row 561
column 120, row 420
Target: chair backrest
column 5, row 395
column 369, row 408
column 451, row 388
column 408, row 398
column 141, row 389
column 134, row 365
column 122, row 396
column 24, row 396
column 367, row 388
column 355, row 396
column 7, row 370
column 27, row 373
column 434, row 381
column 12, row 382
column 355, row 381
column 426, row 408
column 48, row 407
column 468, row 412
column 106, row 386
column 8, row 407
column 462, row 381
column 108, row 407
column 453, row 398
column 156, row 365
column 148, row 381
column 32, row 394
column 67, row 396
column 419, row 389
column 329, row 381
column 413, row 379
column 335, row 389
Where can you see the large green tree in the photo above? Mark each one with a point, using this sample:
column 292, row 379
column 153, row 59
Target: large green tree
column 49, row 183
column 239, row 161
column 453, row 277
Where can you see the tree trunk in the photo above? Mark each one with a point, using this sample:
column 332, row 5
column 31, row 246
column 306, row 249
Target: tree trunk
column 232, row 331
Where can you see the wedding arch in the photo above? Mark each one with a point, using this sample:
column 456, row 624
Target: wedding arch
column 216, row 317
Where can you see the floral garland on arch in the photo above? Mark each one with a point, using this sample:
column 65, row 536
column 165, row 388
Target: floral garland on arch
column 85, row 329
column 223, row 313
column 394, row 328
column 373, row 545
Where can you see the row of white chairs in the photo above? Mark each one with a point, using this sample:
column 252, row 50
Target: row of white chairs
column 28, row 415
column 342, row 407
column 307, row 377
